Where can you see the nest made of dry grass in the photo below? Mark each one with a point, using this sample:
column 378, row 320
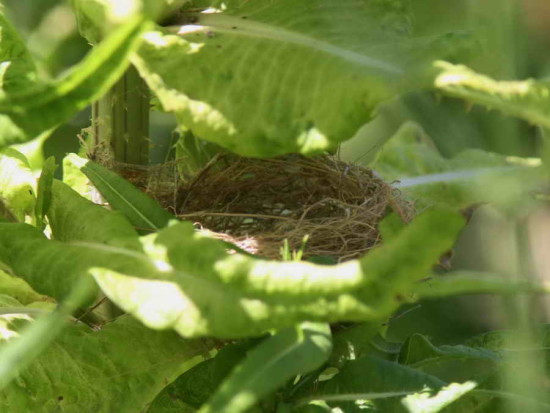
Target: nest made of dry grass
column 259, row 203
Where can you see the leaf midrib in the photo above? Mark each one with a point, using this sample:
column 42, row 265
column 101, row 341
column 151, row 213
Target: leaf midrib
column 123, row 198
column 222, row 23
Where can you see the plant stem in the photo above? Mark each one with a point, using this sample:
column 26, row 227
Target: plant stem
column 121, row 120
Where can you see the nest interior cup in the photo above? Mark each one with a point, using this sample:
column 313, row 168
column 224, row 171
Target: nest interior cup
column 257, row 204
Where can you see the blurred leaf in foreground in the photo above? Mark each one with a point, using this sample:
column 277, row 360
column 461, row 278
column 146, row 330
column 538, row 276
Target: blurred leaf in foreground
column 472, row 177
column 527, row 99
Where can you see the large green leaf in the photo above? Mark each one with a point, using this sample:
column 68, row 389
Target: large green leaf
column 187, row 281
column 96, row 235
column 120, row 368
column 16, row 354
column 53, row 267
column 25, row 114
column 528, row 99
column 424, row 402
column 17, row 69
column 370, row 378
column 205, row 291
column 271, row 364
column 389, row 387
column 266, row 78
column 74, row 218
column 471, row 177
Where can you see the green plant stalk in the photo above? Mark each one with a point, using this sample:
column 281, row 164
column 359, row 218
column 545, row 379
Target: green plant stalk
column 521, row 314
column 120, row 120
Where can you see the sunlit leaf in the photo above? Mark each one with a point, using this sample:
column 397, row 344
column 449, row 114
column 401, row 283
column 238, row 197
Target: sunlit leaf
column 26, row 114
column 18, row 353
column 53, row 268
column 184, row 280
column 17, row 189
column 97, row 18
column 120, row 368
column 383, row 382
column 262, row 79
column 18, row 289
column 425, row 403
column 74, row 218
column 527, row 99
column 17, row 69
column 213, row 293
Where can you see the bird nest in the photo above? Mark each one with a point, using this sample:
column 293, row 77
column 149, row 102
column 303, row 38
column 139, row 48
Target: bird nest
column 323, row 207
column 320, row 206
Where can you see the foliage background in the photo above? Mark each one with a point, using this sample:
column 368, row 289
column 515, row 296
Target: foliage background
column 515, row 40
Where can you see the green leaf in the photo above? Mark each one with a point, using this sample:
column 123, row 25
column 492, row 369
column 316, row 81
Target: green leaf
column 44, row 192
column 28, row 113
column 120, row 368
column 53, row 267
column 313, row 407
column 141, row 210
column 468, row 282
column 369, row 378
column 205, row 291
column 76, row 179
column 449, row 363
column 359, row 340
column 74, row 218
column 17, row 69
column 184, row 280
column 423, row 402
column 18, row 353
column 471, row 177
column 262, row 79
column 196, row 386
column 18, row 289
column 271, row 364
column 528, row 99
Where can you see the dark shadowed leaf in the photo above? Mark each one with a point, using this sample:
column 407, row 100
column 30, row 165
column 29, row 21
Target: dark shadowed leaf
column 270, row 365
column 141, row 210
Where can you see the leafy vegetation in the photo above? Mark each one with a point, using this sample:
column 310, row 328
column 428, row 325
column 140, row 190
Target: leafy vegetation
column 110, row 301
